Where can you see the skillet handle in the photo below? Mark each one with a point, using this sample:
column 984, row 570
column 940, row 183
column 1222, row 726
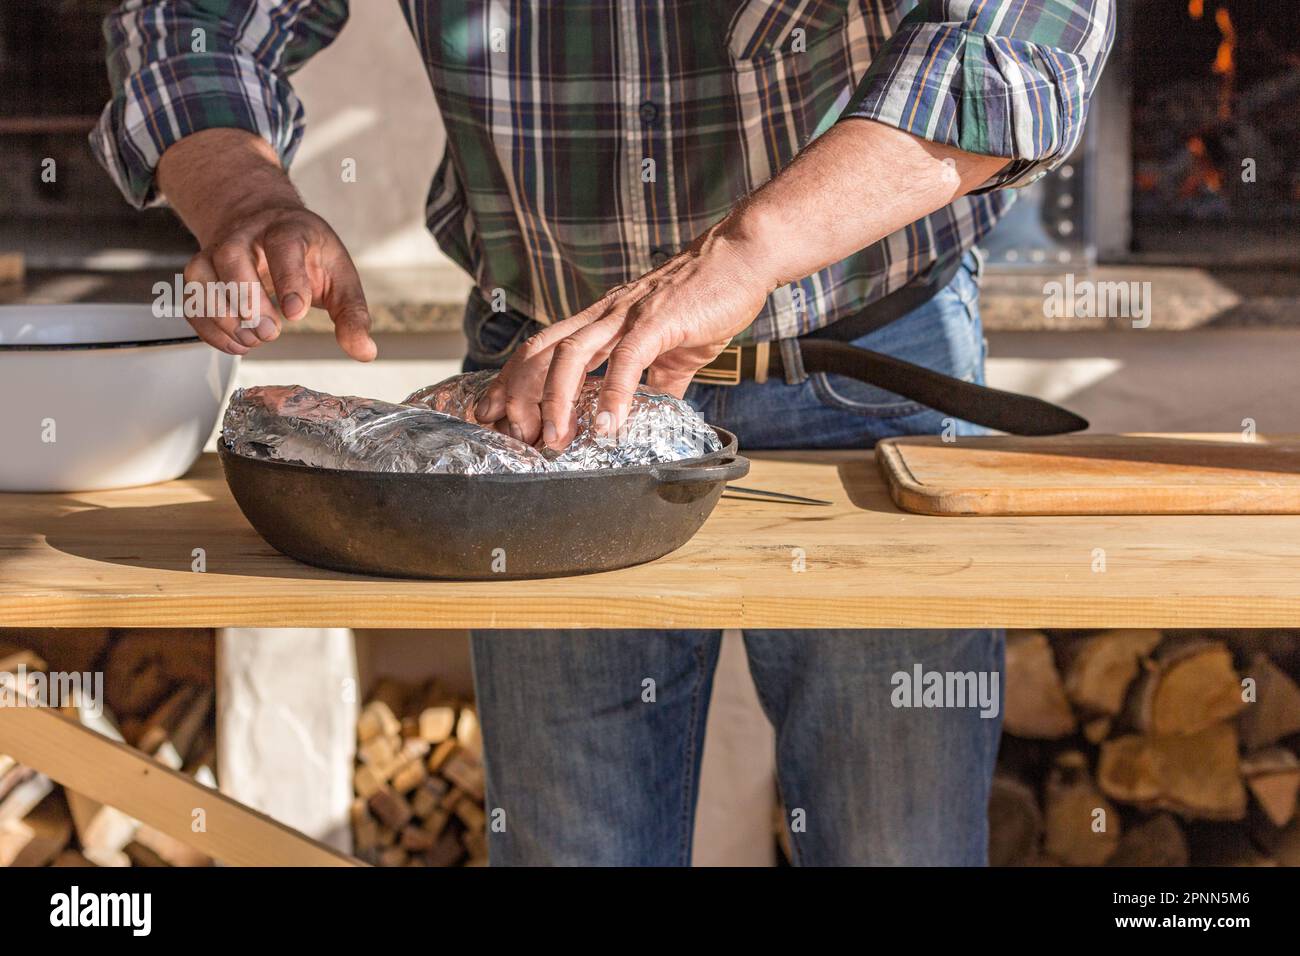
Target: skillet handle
column 681, row 473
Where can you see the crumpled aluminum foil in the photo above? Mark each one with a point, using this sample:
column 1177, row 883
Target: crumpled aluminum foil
column 659, row 427
column 292, row 423
column 432, row 431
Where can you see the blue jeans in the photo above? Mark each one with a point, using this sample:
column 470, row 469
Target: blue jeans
column 588, row 771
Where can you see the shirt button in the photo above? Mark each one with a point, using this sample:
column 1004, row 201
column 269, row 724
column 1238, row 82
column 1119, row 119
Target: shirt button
column 658, row 257
column 649, row 112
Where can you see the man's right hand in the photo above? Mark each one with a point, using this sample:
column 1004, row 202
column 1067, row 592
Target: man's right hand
column 228, row 187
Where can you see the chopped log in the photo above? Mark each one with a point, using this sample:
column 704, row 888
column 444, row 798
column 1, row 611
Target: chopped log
column 70, row 858
column 447, row 851
column 141, row 855
column 28, row 790
column 436, row 821
column 1097, row 729
column 1190, row 687
column 416, row 839
column 366, row 782
column 377, row 719
column 1015, row 823
column 1273, row 776
column 463, row 770
column 424, row 802
column 441, row 754
column 201, row 764
column 395, row 694
column 468, row 733
column 1159, row 841
column 409, row 776
column 1036, row 705
column 1082, row 827
column 393, row 856
column 387, row 804
column 1103, row 667
column 1283, row 845
column 143, row 666
column 380, row 754
column 1275, row 711
column 39, row 837
column 172, row 744
column 1195, row 775
column 437, row 723
column 470, row 814
column 158, row 725
column 476, row 844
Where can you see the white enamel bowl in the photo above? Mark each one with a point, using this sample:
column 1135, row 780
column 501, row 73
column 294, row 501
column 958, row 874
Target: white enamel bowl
column 103, row 396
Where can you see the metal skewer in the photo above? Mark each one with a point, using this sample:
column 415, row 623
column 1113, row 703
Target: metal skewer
column 777, row 495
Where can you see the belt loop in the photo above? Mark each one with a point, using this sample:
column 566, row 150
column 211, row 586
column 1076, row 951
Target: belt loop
column 980, row 261
column 792, row 359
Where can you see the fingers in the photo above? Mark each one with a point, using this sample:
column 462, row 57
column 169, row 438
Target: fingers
column 286, row 262
column 571, row 359
column 218, row 327
column 526, row 369
column 236, row 264
column 627, row 362
column 346, row 303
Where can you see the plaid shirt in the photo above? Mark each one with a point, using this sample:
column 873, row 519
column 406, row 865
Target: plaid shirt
column 588, row 140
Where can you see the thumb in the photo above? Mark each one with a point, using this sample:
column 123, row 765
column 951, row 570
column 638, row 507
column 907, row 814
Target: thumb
column 346, row 303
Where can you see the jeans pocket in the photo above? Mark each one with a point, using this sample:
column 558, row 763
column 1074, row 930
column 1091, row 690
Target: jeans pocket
column 858, row 398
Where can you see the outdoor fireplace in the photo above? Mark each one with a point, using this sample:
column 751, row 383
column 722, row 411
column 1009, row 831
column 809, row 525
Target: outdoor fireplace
column 1215, row 127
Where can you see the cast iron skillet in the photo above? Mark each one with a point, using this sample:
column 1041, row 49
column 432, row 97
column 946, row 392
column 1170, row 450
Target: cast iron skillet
column 471, row 527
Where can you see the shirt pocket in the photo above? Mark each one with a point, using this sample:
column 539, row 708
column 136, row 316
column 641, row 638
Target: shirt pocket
column 763, row 28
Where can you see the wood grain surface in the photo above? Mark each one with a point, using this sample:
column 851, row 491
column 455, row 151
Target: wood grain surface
column 124, row 558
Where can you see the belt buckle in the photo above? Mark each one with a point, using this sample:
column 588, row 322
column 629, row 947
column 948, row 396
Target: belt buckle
column 723, row 370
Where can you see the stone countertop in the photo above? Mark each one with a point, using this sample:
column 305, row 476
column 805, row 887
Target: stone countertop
column 432, row 300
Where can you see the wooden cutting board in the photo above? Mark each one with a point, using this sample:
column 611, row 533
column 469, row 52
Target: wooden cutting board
column 1094, row 474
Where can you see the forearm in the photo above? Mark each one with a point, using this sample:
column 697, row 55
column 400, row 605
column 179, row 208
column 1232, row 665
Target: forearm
column 856, row 184
column 215, row 176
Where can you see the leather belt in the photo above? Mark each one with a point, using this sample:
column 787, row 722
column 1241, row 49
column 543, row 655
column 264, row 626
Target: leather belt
column 826, row 350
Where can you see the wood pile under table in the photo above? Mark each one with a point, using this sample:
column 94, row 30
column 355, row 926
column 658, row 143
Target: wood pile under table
column 419, row 779
column 1149, row 748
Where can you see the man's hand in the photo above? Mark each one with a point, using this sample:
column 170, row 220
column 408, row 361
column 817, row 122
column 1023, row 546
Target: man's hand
column 228, row 187
column 856, row 184
column 668, row 324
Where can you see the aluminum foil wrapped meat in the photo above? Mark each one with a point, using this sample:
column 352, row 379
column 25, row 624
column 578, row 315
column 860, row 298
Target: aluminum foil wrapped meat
column 292, row 423
column 659, row 427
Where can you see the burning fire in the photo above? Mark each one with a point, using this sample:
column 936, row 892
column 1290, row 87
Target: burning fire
column 1225, row 62
column 1204, row 174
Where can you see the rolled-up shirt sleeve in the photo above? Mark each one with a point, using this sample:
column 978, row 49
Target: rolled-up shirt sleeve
column 180, row 66
column 1008, row 78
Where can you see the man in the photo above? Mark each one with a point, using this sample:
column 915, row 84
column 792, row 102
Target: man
column 641, row 184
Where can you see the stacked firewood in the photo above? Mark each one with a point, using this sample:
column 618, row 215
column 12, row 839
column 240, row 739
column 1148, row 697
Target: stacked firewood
column 418, row 779
column 157, row 696
column 1143, row 748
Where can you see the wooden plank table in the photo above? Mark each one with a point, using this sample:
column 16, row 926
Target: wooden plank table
column 127, row 558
